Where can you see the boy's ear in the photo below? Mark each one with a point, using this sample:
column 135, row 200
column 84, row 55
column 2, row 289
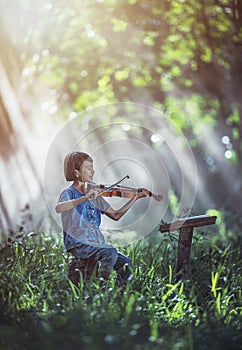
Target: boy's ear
column 76, row 173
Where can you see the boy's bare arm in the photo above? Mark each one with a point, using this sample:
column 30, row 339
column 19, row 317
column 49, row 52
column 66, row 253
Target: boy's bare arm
column 68, row 205
column 117, row 214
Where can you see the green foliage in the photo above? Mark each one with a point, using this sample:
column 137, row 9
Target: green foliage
column 45, row 309
column 175, row 51
column 183, row 56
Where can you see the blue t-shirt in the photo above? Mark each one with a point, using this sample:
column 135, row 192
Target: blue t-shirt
column 81, row 223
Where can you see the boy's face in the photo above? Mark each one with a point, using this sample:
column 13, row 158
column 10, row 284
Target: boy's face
column 86, row 171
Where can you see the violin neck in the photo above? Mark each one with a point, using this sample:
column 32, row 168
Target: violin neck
column 157, row 197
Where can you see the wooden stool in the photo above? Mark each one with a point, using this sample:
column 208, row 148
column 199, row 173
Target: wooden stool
column 86, row 267
column 185, row 227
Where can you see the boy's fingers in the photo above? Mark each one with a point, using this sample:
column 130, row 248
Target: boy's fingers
column 142, row 192
column 92, row 194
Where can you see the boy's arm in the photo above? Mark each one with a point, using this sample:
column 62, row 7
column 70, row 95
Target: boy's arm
column 117, row 214
column 70, row 204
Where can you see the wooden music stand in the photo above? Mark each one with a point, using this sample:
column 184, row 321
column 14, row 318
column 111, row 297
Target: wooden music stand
column 185, row 227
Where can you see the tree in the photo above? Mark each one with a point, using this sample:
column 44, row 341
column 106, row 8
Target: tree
column 183, row 58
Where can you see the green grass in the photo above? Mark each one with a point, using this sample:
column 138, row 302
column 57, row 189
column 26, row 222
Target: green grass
column 42, row 309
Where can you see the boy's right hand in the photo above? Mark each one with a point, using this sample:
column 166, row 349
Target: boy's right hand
column 92, row 194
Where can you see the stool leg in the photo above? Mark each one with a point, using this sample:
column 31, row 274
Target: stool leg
column 86, row 267
column 74, row 272
column 184, row 247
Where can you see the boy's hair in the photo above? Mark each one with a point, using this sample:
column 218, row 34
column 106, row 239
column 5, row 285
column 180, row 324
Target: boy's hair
column 73, row 161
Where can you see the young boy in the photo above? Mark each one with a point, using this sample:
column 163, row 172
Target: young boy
column 81, row 218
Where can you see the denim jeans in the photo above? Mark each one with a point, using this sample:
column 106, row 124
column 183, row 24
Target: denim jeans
column 109, row 259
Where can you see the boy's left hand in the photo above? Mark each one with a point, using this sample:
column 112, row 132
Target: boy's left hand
column 142, row 192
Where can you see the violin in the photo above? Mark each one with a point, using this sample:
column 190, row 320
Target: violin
column 126, row 192
column 116, row 190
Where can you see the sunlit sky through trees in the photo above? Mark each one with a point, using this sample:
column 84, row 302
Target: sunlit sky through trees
column 150, row 88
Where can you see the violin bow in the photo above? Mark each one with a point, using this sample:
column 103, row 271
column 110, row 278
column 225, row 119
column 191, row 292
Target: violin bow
column 113, row 185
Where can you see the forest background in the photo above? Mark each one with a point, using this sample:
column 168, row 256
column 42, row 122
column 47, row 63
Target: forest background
column 61, row 60
column 152, row 89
